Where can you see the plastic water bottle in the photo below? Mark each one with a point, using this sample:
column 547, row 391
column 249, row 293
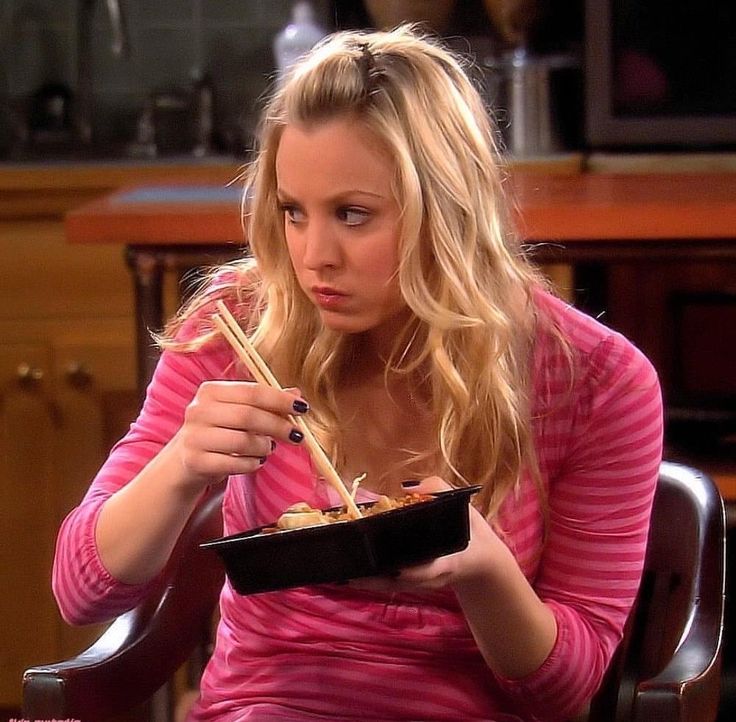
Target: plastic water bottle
column 298, row 37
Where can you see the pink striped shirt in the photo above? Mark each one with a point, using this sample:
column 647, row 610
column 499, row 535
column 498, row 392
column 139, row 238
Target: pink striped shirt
column 335, row 653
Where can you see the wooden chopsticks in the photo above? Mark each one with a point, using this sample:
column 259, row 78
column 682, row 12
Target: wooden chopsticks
column 236, row 337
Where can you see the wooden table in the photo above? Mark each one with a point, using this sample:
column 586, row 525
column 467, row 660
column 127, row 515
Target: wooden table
column 586, row 219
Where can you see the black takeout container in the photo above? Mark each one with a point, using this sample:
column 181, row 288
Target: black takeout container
column 373, row 545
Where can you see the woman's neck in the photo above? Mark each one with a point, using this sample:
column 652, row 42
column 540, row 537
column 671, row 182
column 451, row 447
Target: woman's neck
column 386, row 428
column 382, row 342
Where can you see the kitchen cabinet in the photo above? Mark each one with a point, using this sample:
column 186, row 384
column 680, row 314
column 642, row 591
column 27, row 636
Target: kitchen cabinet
column 67, row 386
column 66, row 391
column 52, row 435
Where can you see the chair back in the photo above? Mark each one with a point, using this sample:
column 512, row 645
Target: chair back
column 673, row 636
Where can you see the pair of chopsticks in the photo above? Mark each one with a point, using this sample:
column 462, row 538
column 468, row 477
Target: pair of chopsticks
column 235, row 336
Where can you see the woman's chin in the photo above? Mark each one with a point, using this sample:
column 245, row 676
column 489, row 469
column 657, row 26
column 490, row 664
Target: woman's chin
column 342, row 325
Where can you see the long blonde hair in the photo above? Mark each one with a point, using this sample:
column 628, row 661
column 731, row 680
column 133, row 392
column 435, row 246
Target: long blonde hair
column 461, row 270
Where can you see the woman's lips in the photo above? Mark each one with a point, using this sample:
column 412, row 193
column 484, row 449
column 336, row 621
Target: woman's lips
column 329, row 298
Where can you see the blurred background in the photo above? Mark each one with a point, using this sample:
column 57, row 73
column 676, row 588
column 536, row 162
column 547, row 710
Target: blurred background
column 149, row 58
column 96, row 96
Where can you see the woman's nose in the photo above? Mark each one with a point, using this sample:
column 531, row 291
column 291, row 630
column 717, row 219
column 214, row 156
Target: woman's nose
column 321, row 246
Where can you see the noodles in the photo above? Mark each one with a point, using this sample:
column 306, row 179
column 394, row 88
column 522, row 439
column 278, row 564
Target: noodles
column 302, row 515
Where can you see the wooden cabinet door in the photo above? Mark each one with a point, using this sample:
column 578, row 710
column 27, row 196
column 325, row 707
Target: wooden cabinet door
column 28, row 422
column 62, row 406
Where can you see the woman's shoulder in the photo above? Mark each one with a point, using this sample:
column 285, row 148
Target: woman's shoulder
column 558, row 315
column 594, row 353
column 234, row 284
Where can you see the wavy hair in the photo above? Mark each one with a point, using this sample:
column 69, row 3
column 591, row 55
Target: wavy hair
column 462, row 271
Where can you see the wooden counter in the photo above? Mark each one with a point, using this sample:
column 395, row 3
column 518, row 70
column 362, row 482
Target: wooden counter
column 50, row 189
column 605, row 209
column 615, row 208
column 161, row 215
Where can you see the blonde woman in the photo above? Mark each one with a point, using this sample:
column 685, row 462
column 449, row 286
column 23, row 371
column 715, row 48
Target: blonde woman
column 388, row 292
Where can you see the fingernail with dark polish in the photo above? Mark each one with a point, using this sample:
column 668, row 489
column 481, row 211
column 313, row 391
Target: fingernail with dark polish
column 296, row 436
column 273, row 444
column 263, row 460
column 410, row 483
column 300, row 407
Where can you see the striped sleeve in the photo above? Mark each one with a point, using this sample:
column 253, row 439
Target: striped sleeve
column 84, row 590
column 600, row 504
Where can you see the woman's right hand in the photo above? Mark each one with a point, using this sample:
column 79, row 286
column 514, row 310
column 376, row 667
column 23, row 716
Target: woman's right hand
column 230, row 427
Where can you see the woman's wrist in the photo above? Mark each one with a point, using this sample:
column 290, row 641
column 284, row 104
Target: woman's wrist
column 486, row 559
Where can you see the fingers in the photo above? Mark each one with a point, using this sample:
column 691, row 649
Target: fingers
column 250, row 407
column 432, row 575
column 236, row 443
column 428, row 485
column 283, row 402
column 204, row 467
column 232, row 427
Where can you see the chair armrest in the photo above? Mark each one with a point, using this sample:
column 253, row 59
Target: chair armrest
column 118, row 672
column 142, row 648
column 687, row 689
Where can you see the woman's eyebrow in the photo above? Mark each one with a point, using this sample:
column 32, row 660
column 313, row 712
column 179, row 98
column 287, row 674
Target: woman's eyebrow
column 340, row 196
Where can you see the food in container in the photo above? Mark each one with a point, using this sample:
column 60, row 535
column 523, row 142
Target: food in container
column 267, row 558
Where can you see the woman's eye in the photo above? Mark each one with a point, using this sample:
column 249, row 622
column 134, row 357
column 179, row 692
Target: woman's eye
column 292, row 213
column 353, row 216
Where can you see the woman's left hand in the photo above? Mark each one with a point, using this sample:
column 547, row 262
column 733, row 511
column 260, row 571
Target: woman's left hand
column 513, row 628
column 484, row 546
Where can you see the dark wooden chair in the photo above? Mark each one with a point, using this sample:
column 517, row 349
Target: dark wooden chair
column 667, row 668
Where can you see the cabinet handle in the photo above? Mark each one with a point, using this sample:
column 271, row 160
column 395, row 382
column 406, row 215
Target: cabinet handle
column 78, row 375
column 29, row 375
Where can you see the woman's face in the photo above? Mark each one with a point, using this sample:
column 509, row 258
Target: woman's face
column 341, row 222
